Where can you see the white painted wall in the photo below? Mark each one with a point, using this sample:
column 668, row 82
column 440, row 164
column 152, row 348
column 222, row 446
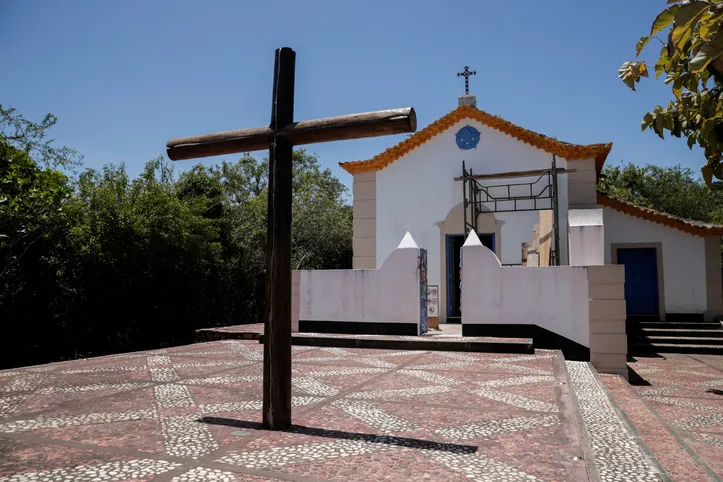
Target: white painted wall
column 586, row 240
column 390, row 294
column 683, row 258
column 418, row 190
column 555, row 298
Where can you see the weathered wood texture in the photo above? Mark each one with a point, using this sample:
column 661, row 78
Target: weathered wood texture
column 345, row 127
column 277, row 349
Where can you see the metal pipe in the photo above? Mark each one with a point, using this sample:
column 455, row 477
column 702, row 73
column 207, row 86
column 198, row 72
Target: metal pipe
column 555, row 211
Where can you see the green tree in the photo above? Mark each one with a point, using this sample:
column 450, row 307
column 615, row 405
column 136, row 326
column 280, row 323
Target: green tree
column 33, row 227
column 32, row 138
column 691, row 59
column 673, row 190
column 103, row 263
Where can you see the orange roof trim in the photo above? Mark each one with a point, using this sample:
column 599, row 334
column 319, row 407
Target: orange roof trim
column 696, row 228
column 571, row 152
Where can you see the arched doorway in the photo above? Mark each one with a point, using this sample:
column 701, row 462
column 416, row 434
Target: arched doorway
column 452, row 236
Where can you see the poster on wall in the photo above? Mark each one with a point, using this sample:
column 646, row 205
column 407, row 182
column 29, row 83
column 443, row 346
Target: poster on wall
column 432, row 301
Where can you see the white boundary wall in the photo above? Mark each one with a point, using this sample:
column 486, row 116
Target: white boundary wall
column 390, row 294
column 555, row 298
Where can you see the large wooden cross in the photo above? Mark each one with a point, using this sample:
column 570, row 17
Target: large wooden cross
column 279, row 138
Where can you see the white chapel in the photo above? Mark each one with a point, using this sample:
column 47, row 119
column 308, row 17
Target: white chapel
column 472, row 171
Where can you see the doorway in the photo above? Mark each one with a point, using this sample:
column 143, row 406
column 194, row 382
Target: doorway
column 454, row 244
column 642, row 297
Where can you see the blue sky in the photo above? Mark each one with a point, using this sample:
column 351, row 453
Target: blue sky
column 124, row 77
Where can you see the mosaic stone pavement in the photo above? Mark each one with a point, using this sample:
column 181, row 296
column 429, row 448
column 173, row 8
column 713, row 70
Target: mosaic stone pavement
column 192, row 413
column 675, row 402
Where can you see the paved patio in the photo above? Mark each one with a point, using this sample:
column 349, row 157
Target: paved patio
column 676, row 405
column 192, row 413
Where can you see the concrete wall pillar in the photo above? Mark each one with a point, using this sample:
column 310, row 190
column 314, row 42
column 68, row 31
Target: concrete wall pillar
column 608, row 337
column 586, row 237
column 365, row 220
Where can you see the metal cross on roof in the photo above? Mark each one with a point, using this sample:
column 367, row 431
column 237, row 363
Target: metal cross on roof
column 466, row 75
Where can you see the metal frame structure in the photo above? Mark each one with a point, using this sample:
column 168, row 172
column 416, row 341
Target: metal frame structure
column 476, row 195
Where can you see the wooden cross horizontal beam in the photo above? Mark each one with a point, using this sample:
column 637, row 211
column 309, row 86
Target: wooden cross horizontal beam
column 344, row 127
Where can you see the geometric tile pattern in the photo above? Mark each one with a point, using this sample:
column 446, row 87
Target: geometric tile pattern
column 493, row 427
column 280, row 456
column 401, row 392
column 185, row 436
column 192, row 413
column 617, row 454
column 9, row 404
column 430, row 377
column 74, row 421
column 686, row 393
column 518, row 401
column 201, row 474
column 375, row 417
column 480, row 468
column 98, row 386
column 509, row 382
column 172, row 395
column 130, row 470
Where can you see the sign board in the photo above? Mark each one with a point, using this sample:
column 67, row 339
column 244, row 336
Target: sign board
column 432, row 300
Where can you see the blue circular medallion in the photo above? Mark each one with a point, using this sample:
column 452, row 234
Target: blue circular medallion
column 467, row 137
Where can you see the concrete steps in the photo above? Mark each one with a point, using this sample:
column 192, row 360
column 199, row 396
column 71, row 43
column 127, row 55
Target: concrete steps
column 425, row 342
column 681, row 332
column 693, row 337
column 448, row 338
column 676, row 325
column 641, row 349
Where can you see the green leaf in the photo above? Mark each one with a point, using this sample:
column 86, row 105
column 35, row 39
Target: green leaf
column 691, row 142
column 685, row 19
column 718, row 171
column 707, row 173
column 631, row 72
column 660, row 64
column 707, row 136
column 692, row 83
column 659, row 125
column 707, row 54
column 704, row 76
column 709, row 26
column 678, row 87
column 664, row 19
column 647, row 121
column 641, row 45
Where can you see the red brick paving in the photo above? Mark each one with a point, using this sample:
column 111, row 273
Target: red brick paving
column 685, row 392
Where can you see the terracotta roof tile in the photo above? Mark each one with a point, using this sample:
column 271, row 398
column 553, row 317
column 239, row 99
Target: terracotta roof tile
column 696, row 228
column 571, row 152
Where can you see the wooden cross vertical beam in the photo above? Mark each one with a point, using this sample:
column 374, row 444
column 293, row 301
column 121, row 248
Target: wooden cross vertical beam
column 277, row 325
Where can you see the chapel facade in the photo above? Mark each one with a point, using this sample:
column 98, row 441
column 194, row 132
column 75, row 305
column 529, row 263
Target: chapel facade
column 473, row 171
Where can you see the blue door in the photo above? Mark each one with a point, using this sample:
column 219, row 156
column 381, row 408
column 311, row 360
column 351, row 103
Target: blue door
column 641, row 280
